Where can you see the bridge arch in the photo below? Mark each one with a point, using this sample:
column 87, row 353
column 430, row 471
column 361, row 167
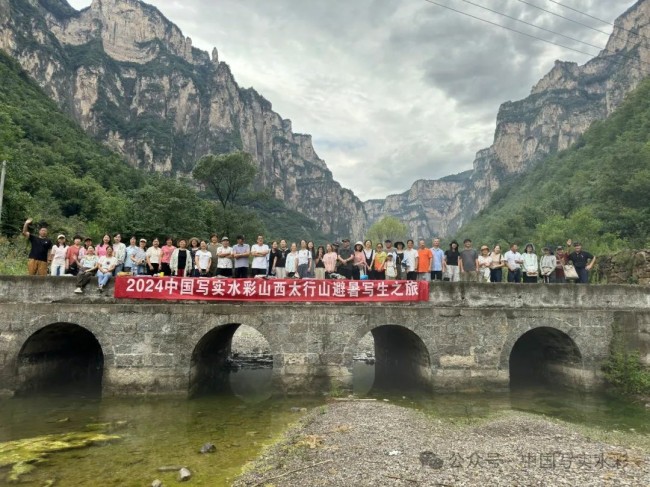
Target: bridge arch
column 211, row 361
column 545, row 355
column 401, row 358
column 60, row 357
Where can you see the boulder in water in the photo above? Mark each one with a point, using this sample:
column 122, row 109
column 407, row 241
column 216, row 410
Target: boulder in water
column 184, row 475
column 208, row 448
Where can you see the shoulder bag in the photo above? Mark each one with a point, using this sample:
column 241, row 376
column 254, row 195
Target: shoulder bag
column 570, row 272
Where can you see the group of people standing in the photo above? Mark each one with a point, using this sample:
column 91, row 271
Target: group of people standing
column 489, row 265
column 216, row 257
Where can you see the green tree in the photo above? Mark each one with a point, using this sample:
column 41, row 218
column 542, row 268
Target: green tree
column 237, row 220
column 226, row 176
column 388, row 227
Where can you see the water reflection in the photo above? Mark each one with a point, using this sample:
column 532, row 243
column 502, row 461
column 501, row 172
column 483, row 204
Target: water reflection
column 252, row 385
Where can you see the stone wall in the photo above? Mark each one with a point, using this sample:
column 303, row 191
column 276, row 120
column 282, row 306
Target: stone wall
column 627, row 267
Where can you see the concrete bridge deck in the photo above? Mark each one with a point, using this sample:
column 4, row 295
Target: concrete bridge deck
column 468, row 336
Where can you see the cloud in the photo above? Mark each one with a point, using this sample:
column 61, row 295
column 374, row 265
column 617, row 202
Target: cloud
column 392, row 90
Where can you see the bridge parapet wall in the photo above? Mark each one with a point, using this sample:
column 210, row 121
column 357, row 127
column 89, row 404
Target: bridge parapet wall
column 24, row 289
column 467, row 329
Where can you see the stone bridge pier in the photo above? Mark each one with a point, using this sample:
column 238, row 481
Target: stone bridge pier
column 466, row 337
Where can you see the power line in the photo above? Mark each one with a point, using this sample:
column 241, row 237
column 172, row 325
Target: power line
column 510, row 29
column 533, row 25
column 538, row 38
column 556, row 33
column 598, row 19
column 563, row 17
column 581, row 12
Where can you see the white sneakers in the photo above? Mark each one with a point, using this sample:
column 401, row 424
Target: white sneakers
column 79, row 291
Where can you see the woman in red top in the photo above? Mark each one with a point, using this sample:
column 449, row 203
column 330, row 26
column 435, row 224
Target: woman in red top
column 561, row 258
column 167, row 251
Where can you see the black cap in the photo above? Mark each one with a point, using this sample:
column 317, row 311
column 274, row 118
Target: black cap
column 388, row 241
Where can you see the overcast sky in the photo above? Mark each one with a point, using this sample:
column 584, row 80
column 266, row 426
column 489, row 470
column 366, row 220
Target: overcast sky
column 391, row 90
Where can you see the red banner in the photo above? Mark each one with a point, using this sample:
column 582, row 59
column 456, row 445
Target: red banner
column 276, row 290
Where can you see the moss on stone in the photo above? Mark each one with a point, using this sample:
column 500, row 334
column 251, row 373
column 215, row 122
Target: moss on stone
column 20, row 456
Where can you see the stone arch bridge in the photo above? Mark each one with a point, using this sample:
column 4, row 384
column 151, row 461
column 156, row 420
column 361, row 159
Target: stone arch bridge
column 468, row 336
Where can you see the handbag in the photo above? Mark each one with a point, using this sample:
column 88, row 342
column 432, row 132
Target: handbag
column 570, row 272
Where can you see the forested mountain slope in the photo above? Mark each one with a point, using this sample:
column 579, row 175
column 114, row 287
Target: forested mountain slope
column 131, row 79
column 59, row 174
column 597, row 191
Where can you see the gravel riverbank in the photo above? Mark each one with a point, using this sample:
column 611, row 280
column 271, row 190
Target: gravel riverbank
column 374, row 443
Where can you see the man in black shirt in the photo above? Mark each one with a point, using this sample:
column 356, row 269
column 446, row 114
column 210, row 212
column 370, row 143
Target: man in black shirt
column 281, row 260
column 582, row 261
column 40, row 252
column 345, row 259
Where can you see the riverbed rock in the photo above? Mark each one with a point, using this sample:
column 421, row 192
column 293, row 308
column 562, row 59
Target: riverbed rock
column 184, row 475
column 208, row 448
column 430, row 459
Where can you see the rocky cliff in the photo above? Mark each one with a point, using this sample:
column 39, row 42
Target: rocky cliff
column 131, row 78
column 561, row 106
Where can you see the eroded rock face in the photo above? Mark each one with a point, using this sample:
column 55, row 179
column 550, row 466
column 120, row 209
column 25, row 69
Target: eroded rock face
column 560, row 108
column 131, row 78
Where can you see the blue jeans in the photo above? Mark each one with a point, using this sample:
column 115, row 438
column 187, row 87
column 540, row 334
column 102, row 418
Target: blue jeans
column 102, row 279
column 496, row 275
column 583, row 275
column 514, row 276
column 118, row 268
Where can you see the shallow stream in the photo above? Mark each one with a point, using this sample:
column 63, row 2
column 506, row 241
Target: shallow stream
column 161, row 431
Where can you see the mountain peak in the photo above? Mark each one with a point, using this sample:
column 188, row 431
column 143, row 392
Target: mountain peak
column 129, row 30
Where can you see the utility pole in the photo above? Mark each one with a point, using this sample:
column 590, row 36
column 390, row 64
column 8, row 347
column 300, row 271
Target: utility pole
column 2, row 190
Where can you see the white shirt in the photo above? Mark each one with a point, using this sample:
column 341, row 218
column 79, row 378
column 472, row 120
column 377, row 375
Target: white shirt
column 154, row 254
column 105, row 263
column 410, row 256
column 225, row 258
column 304, row 255
column 119, row 251
column 59, row 254
column 204, row 257
column 512, row 258
column 290, row 264
column 260, row 262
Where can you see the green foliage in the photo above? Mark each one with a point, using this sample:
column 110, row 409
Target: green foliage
column 282, row 222
column 624, row 369
column 388, row 227
column 595, row 192
column 57, row 173
column 226, row 176
column 239, row 220
column 12, row 257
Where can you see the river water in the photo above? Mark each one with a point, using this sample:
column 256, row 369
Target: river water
column 169, row 431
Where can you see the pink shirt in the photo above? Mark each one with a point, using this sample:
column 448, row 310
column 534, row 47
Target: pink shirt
column 329, row 260
column 100, row 250
column 167, row 251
